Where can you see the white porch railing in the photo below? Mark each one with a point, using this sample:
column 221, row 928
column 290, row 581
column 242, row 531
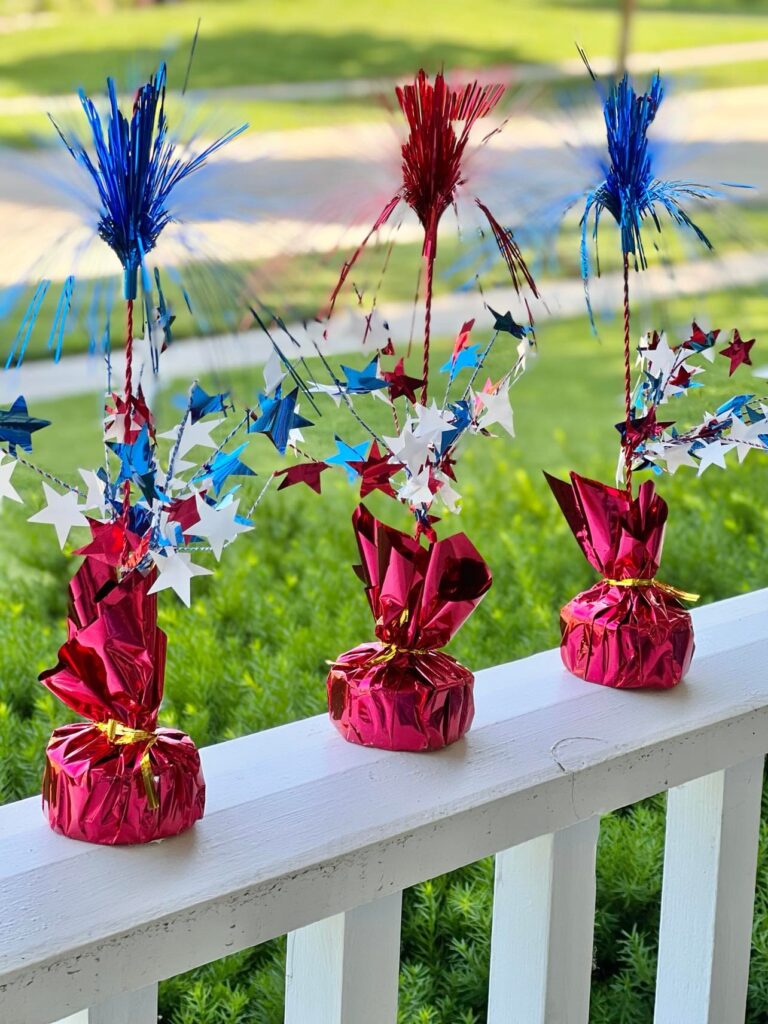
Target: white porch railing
column 308, row 835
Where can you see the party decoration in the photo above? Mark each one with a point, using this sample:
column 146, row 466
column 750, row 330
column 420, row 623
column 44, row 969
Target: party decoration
column 630, row 630
column 404, row 693
column 401, row 692
column 440, row 120
column 118, row 777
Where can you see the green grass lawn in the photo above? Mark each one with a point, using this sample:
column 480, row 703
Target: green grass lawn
column 243, row 43
column 306, row 40
column 251, row 652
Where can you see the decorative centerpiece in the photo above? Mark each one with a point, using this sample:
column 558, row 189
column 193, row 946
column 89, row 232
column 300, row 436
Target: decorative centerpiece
column 118, row 777
column 631, row 630
column 401, row 691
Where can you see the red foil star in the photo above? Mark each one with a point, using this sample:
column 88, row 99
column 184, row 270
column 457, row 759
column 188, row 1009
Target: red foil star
column 400, row 383
column 737, row 351
column 644, row 428
column 424, row 528
column 303, row 473
column 111, row 541
column 133, row 408
column 462, row 338
column 376, row 472
column 184, row 512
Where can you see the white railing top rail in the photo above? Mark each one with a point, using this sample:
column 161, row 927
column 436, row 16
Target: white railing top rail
column 301, row 825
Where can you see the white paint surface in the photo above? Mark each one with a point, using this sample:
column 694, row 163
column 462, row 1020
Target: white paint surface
column 301, row 826
column 345, row 969
column 543, row 926
column 710, row 858
column 129, row 1008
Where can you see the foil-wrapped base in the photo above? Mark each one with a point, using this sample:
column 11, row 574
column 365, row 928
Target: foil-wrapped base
column 94, row 790
column 410, row 702
column 626, row 640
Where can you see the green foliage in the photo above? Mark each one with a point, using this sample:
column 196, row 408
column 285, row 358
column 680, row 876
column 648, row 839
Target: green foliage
column 251, row 652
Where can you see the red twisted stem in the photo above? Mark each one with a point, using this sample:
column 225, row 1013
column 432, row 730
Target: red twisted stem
column 430, row 261
column 627, row 382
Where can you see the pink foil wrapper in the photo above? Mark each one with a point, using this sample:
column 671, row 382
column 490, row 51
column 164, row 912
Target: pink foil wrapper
column 622, row 636
column 111, row 669
column 402, row 692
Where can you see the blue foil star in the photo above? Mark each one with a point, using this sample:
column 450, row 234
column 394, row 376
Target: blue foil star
column 222, row 466
column 462, row 418
column 362, row 382
column 468, row 358
column 278, row 418
column 346, row 454
column 137, row 464
column 505, row 322
column 17, row 426
column 202, row 404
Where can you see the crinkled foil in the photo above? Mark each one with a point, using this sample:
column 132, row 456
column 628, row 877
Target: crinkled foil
column 101, row 786
column 402, row 692
column 626, row 636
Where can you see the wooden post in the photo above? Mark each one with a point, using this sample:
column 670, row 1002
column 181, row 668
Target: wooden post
column 345, row 969
column 129, row 1008
column 707, row 899
column 543, row 926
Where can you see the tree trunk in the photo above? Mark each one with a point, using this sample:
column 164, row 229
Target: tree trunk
column 625, row 30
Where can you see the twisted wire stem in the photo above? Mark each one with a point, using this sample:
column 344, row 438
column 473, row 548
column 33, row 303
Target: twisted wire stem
column 43, row 472
column 427, row 324
column 627, row 382
column 129, row 412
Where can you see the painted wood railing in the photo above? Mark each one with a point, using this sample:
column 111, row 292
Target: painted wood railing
column 310, row 836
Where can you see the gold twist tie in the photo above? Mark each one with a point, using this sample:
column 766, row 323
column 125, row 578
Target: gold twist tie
column 667, row 588
column 391, row 650
column 122, row 736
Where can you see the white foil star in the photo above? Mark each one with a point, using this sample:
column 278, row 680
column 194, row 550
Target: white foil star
column 61, row 511
column 217, row 524
column 175, row 572
column 7, row 490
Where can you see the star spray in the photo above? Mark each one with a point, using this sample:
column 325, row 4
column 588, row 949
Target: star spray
column 632, row 630
column 117, row 776
column 440, row 120
column 400, row 691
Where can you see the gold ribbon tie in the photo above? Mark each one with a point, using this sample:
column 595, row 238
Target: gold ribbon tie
column 122, row 736
column 392, row 650
column 666, row 588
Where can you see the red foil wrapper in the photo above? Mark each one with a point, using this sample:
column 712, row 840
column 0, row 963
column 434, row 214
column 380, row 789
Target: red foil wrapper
column 402, row 692
column 626, row 635
column 117, row 778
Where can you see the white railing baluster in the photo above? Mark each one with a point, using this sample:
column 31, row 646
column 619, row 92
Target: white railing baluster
column 543, row 926
column 129, row 1008
column 708, row 893
column 345, row 969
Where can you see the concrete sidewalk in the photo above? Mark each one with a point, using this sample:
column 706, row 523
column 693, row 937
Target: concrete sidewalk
column 226, row 354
